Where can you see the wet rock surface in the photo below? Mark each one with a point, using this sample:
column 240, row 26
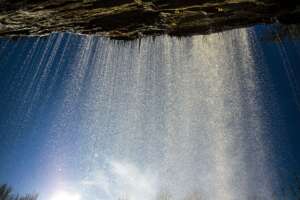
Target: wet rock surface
column 130, row 19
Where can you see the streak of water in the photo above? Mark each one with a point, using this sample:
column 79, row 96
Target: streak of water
column 148, row 119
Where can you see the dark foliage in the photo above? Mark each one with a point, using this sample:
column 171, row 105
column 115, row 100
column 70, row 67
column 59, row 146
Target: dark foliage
column 6, row 194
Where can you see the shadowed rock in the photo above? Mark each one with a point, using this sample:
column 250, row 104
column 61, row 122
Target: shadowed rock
column 130, row 19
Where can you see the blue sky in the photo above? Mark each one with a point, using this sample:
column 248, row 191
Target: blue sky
column 56, row 131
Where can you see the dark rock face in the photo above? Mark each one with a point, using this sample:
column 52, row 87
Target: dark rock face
column 129, row 19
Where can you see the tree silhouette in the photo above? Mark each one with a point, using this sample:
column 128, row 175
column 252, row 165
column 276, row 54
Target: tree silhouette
column 6, row 194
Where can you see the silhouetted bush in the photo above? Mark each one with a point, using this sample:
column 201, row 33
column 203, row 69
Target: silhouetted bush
column 6, row 194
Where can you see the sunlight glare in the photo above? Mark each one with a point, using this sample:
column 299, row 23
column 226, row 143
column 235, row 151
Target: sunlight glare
column 65, row 196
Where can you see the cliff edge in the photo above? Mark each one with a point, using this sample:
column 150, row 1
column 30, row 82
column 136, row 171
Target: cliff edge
column 130, row 19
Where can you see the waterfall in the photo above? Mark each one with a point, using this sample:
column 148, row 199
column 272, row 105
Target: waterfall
column 156, row 118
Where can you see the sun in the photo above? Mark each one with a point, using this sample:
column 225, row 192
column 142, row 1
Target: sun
column 62, row 195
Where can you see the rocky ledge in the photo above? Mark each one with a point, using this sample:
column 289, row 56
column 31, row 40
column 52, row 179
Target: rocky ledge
column 129, row 19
